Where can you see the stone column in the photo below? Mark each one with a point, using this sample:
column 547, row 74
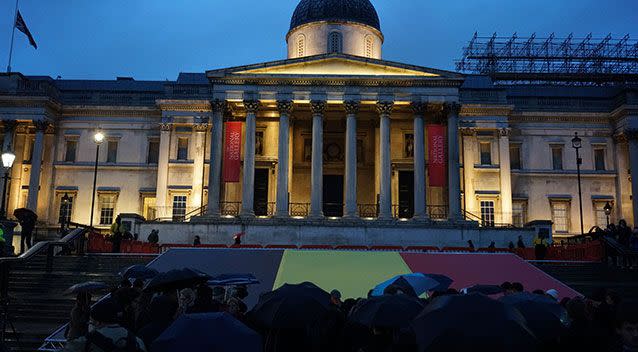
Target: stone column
column 454, row 177
column 632, row 139
column 161, row 192
column 283, row 151
column 316, row 197
column 200, row 128
column 216, row 147
column 36, row 165
column 248, row 182
column 352, row 108
column 385, row 171
column 505, row 175
column 469, row 155
column 420, row 204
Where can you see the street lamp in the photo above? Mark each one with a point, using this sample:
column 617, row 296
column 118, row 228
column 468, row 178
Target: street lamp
column 577, row 143
column 7, row 161
column 98, row 138
column 607, row 208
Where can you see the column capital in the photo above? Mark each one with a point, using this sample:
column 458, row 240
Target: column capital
column 166, row 126
column 200, row 127
column 452, row 108
column 318, row 107
column 351, row 107
column 41, row 125
column 385, row 107
column 252, row 106
column 504, row 132
column 50, row 129
column 468, row 131
column 218, row 106
column 418, row 108
column 285, row 106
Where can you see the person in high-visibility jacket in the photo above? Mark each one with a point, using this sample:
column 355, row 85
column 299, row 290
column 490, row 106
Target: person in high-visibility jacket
column 540, row 247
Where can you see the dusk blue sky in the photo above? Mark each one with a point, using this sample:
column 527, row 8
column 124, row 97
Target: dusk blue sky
column 157, row 39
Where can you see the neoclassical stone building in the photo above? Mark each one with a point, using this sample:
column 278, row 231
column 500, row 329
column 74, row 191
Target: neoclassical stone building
column 332, row 137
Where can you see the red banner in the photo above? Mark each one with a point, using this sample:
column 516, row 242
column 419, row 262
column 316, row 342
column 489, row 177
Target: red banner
column 232, row 152
column 437, row 157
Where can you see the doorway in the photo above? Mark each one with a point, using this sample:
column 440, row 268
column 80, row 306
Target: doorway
column 406, row 194
column 260, row 205
column 333, row 195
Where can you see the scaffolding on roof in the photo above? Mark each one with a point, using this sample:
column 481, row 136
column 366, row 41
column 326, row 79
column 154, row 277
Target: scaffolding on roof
column 552, row 59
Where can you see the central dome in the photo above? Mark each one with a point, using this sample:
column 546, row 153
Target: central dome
column 359, row 11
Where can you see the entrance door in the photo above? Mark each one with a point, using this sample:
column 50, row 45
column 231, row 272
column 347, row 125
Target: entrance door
column 260, row 205
column 333, row 195
column 406, row 194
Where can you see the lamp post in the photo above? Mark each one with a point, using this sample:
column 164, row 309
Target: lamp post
column 98, row 138
column 7, row 161
column 607, row 208
column 577, row 143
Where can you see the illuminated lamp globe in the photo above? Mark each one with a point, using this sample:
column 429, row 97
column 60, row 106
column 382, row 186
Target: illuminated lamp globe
column 98, row 137
column 7, row 159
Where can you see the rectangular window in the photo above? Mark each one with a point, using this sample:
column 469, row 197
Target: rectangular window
column 599, row 213
column 106, row 204
column 259, row 143
column 557, row 157
column 71, row 151
column 408, row 145
column 179, row 208
column 153, row 151
column 515, row 157
column 66, row 208
column 560, row 216
column 487, row 213
column 182, row 148
column 519, row 213
column 599, row 159
column 111, row 156
column 486, row 153
column 148, row 207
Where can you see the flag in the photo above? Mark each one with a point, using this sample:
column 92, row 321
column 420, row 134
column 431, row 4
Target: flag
column 22, row 27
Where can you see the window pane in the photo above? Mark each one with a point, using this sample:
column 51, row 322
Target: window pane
column 486, row 153
column 106, row 204
column 179, row 208
column 182, row 148
column 259, row 143
column 519, row 213
column 557, row 158
column 560, row 216
column 599, row 159
column 71, row 147
column 64, row 215
column 111, row 156
column 487, row 213
column 515, row 158
column 153, row 152
column 601, row 218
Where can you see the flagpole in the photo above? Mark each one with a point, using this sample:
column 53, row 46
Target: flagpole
column 13, row 33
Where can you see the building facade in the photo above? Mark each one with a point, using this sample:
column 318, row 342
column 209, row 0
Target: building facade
column 333, row 132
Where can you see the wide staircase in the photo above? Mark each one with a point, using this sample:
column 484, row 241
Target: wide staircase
column 37, row 306
column 586, row 278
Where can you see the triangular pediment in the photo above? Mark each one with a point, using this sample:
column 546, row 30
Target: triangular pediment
column 334, row 65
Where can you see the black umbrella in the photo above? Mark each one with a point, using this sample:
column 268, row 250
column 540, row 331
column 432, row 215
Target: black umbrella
column 24, row 214
column 86, row 287
column 444, row 281
column 291, row 306
column 138, row 272
column 176, row 279
column 387, row 311
column 472, row 322
column 484, row 289
column 545, row 317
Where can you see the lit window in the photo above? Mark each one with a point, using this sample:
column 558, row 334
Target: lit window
column 599, row 159
column 148, row 207
column 557, row 157
column 601, row 217
column 487, row 213
column 369, row 46
column 111, row 155
column 66, row 208
column 486, row 153
column 153, row 151
column 515, row 157
column 182, row 148
column 71, row 151
column 519, row 213
column 301, row 45
column 335, row 42
column 560, row 216
column 106, row 204
column 179, row 208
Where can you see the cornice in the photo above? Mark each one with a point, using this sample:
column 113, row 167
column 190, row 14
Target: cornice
column 486, row 110
column 184, row 105
column 29, row 102
column 335, row 81
column 108, row 111
column 555, row 116
column 624, row 110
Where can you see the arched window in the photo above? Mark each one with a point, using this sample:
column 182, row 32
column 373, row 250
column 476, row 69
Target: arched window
column 335, row 42
column 369, row 46
column 301, row 45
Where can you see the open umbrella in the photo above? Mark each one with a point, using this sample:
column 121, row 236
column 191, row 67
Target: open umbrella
column 176, row 279
column 444, row 281
column 24, row 214
column 545, row 317
column 484, row 289
column 387, row 311
column 207, row 332
column 138, row 272
column 233, row 280
column 291, row 306
column 86, row 287
column 418, row 284
column 472, row 322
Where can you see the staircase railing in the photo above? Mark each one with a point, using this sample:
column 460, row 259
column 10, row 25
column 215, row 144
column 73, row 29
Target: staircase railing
column 619, row 254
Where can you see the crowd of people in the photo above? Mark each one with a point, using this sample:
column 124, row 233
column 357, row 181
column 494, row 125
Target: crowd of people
column 131, row 319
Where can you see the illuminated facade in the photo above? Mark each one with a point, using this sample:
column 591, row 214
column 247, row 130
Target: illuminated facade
column 332, row 136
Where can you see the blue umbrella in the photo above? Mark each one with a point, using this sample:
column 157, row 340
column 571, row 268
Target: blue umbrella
column 141, row 272
column 88, row 287
column 233, row 280
column 419, row 282
column 207, row 332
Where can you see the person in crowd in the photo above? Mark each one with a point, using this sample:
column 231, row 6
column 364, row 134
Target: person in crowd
column 507, row 288
column 27, row 222
column 624, row 233
column 520, row 243
column 153, row 237
column 553, row 294
column 116, row 234
column 126, row 298
column 107, row 334
column 236, row 305
column 197, row 241
column 127, row 236
column 335, row 298
column 204, row 302
column 237, row 239
column 518, row 287
column 470, row 245
column 186, row 300
column 219, row 297
column 511, row 246
column 163, row 312
column 578, row 336
column 540, row 247
column 626, row 328
column 492, row 245
column 80, row 316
